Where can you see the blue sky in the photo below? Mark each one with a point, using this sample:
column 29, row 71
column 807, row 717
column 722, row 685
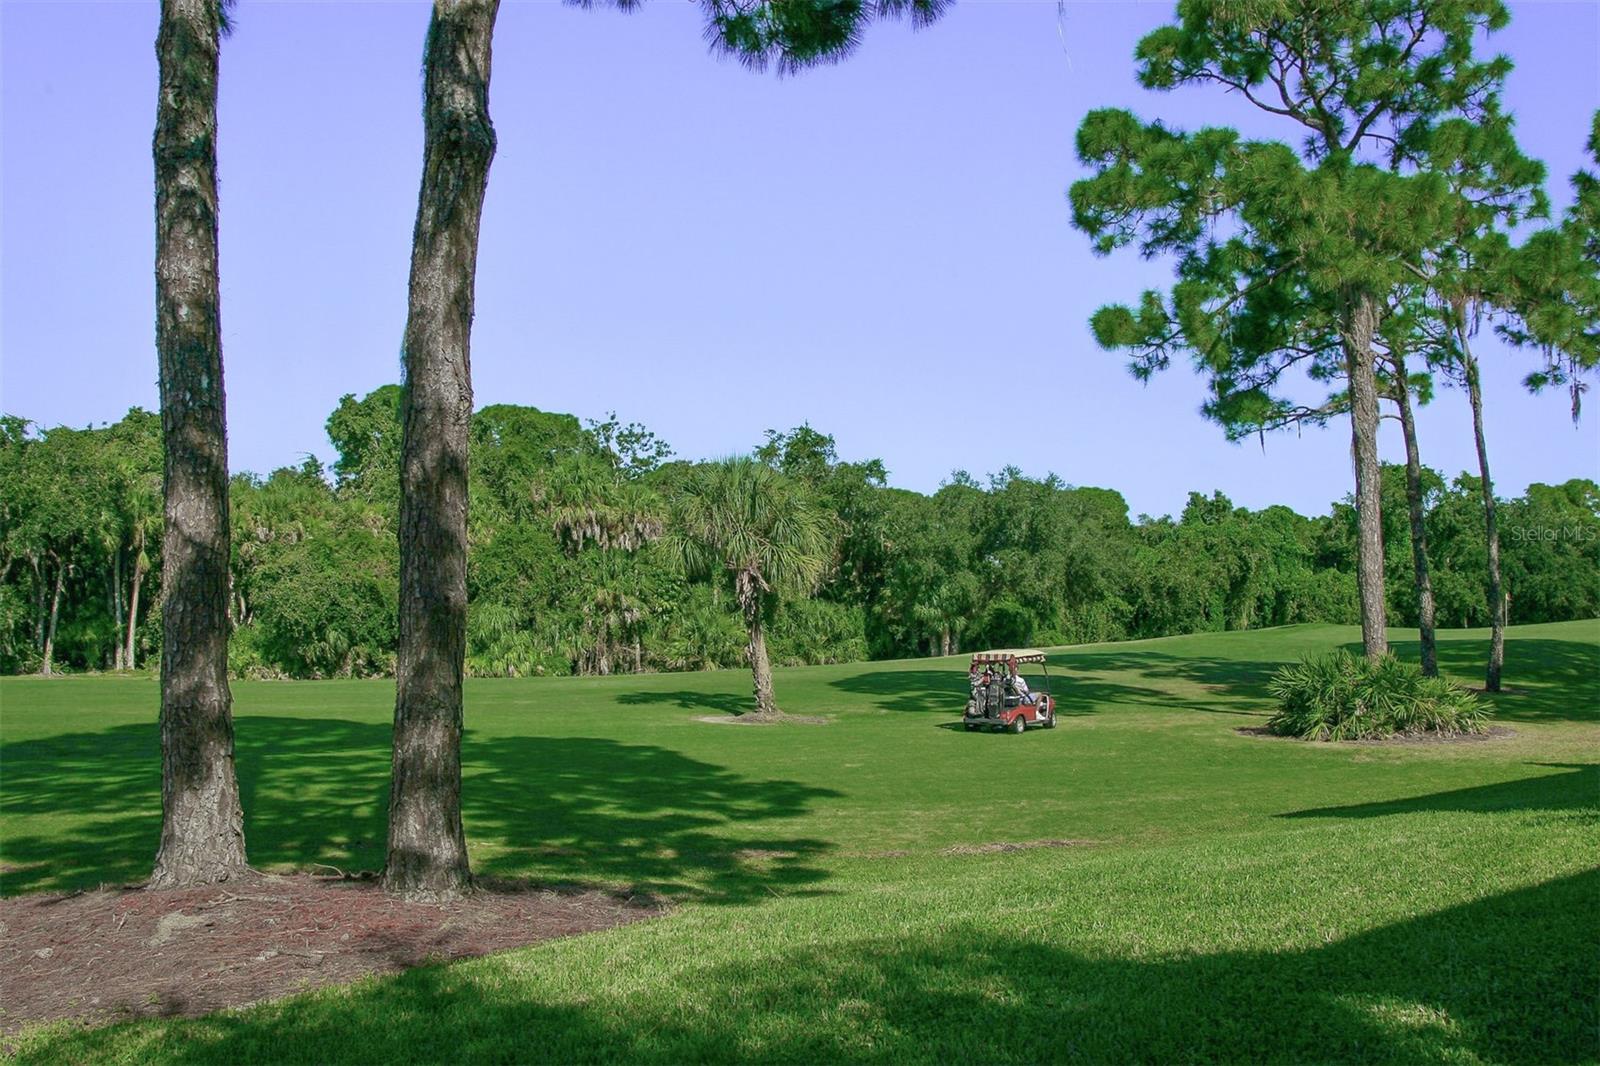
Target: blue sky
column 709, row 251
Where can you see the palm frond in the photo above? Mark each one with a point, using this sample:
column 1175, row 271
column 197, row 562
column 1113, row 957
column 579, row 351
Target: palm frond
column 746, row 520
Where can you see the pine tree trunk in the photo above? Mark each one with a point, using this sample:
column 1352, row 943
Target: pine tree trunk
column 944, row 641
column 427, row 846
column 1360, row 326
column 202, row 826
column 1419, row 533
column 1495, row 589
column 47, row 664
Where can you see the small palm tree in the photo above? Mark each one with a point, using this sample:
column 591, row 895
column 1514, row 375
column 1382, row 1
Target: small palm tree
column 743, row 522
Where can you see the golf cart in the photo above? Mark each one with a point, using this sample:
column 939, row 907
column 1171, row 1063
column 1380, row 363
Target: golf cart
column 997, row 701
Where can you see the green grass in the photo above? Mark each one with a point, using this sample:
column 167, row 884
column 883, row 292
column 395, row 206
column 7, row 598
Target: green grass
column 1243, row 898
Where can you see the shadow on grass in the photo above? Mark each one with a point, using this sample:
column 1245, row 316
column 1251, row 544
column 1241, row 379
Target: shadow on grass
column 93, row 782
column 944, row 692
column 1226, row 686
column 1545, row 680
column 1549, row 680
column 563, row 810
column 1508, row 978
column 1577, row 790
column 690, row 700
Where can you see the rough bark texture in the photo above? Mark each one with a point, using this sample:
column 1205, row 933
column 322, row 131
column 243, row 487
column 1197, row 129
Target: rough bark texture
column 1494, row 589
column 760, row 664
column 1361, row 324
column 427, row 847
column 202, row 827
column 1419, row 533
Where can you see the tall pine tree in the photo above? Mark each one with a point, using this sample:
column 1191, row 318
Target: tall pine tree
column 1287, row 258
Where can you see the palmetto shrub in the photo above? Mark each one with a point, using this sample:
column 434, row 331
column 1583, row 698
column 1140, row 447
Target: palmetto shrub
column 1340, row 696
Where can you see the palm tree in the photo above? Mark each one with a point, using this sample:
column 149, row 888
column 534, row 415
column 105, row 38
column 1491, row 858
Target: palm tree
column 743, row 522
column 202, row 825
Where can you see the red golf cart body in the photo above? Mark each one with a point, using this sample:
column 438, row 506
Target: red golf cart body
column 994, row 705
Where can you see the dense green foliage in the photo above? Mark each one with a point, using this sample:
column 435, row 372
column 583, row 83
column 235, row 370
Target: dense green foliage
column 571, row 572
column 80, row 539
column 1338, row 696
column 1231, row 897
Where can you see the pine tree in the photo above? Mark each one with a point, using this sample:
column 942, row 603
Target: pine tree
column 1286, row 259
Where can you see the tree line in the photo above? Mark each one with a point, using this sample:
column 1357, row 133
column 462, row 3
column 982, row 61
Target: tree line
column 578, row 534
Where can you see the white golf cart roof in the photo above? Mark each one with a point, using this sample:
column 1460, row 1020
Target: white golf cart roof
column 1006, row 655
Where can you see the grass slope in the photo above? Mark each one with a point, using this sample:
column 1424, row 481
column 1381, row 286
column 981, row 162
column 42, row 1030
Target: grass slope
column 1241, row 897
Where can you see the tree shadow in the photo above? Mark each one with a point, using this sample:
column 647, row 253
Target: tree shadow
column 588, row 810
column 1577, row 790
column 690, row 700
column 1508, row 978
column 1545, row 680
column 90, row 782
column 580, row 811
column 1182, row 682
column 945, row 692
column 942, row 692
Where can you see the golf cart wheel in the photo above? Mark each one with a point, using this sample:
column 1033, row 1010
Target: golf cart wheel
column 1050, row 723
column 972, row 727
column 1019, row 724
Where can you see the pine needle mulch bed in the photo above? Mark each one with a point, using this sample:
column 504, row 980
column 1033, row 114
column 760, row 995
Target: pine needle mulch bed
column 122, row 953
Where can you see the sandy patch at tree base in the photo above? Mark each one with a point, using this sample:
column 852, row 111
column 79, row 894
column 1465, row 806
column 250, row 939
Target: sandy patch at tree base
column 758, row 718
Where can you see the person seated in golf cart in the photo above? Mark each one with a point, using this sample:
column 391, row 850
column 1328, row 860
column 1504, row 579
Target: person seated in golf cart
column 1001, row 697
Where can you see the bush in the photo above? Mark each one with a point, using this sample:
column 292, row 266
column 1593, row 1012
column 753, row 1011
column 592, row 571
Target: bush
column 502, row 641
column 815, row 632
column 326, row 604
column 1340, row 696
column 1005, row 624
column 699, row 633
